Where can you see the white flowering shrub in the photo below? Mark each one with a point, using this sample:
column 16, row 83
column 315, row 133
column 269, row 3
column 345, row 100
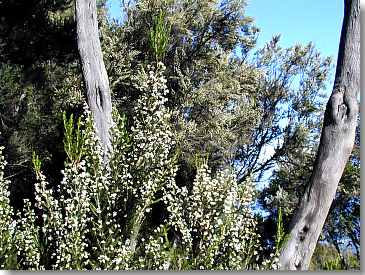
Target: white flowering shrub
column 7, row 233
column 213, row 225
column 101, row 217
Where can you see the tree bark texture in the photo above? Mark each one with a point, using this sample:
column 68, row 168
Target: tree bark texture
column 336, row 143
column 94, row 72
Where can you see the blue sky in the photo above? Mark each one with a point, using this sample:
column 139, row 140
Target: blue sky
column 114, row 9
column 299, row 21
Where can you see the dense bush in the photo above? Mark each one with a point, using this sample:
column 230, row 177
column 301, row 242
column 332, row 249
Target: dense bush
column 104, row 216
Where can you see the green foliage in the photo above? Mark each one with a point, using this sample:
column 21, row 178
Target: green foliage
column 332, row 264
column 159, row 36
column 74, row 139
column 219, row 116
column 327, row 257
column 31, row 105
column 37, row 163
column 281, row 236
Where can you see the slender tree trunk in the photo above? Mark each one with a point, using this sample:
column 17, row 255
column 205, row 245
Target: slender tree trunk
column 94, row 72
column 337, row 140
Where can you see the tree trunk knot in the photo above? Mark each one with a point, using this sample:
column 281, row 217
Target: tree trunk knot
column 303, row 233
column 338, row 105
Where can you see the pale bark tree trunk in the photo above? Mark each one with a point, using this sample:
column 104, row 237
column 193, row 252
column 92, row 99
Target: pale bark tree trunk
column 94, row 72
column 336, row 143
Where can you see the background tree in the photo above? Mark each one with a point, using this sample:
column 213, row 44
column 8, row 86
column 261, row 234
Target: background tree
column 34, row 31
column 220, row 91
column 39, row 78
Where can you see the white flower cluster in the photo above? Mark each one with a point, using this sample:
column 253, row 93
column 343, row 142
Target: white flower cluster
column 272, row 263
column 152, row 163
column 18, row 237
column 78, row 226
column 215, row 221
column 93, row 237
column 27, row 239
column 6, row 221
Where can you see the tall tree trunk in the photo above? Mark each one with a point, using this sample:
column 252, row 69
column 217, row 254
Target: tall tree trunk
column 337, row 140
column 94, row 72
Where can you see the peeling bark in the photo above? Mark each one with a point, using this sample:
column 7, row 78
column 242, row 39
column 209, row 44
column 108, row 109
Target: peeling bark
column 336, row 143
column 94, row 72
